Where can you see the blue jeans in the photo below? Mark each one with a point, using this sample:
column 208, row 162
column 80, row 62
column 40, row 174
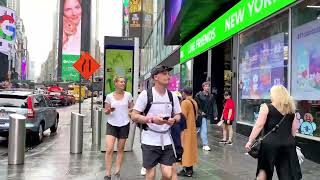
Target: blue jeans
column 204, row 132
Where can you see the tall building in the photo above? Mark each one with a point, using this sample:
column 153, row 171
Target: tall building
column 15, row 5
column 3, row 3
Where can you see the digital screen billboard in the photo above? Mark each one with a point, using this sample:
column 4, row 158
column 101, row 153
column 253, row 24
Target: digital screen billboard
column 118, row 62
column 172, row 11
column 7, row 29
column 262, row 66
column 306, row 61
column 71, row 39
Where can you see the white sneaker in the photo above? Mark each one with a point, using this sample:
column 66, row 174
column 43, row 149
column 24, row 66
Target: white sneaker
column 143, row 171
column 206, row 148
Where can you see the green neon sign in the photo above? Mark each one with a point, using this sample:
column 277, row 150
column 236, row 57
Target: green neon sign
column 236, row 19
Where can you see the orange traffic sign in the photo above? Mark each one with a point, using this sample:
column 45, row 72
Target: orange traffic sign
column 86, row 65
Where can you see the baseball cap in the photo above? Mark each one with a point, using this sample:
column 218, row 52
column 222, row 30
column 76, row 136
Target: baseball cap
column 159, row 69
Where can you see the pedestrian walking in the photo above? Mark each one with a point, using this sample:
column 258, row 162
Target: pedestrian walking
column 177, row 136
column 227, row 118
column 117, row 107
column 189, row 109
column 278, row 149
column 208, row 110
column 157, row 109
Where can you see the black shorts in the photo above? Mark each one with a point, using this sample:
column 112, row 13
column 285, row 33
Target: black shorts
column 154, row 155
column 118, row 132
column 226, row 122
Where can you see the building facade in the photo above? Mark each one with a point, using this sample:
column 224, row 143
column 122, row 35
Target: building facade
column 272, row 44
column 153, row 50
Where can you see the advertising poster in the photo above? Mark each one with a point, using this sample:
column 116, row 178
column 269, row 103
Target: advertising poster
column 262, row 66
column 118, row 62
column 7, row 29
column 306, row 61
column 71, row 42
column 135, row 19
column 174, row 83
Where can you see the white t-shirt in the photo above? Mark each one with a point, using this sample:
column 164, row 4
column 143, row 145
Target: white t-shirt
column 161, row 107
column 119, row 117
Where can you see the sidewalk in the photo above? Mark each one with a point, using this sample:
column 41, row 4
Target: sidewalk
column 53, row 161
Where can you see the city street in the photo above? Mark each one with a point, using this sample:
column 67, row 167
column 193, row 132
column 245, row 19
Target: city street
column 51, row 159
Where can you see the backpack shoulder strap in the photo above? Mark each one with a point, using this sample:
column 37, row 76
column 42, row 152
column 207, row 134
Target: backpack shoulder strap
column 149, row 101
column 171, row 100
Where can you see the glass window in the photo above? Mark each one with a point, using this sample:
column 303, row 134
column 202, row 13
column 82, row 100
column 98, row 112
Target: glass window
column 306, row 65
column 186, row 74
column 263, row 60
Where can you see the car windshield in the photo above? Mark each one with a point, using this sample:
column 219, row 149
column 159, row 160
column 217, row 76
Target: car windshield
column 13, row 101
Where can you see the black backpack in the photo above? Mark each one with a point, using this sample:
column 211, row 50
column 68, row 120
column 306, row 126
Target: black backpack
column 149, row 104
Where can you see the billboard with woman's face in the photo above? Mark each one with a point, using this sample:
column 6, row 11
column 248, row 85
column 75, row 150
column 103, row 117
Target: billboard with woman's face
column 71, row 39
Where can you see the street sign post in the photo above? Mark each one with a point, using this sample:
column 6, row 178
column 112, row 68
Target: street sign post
column 86, row 65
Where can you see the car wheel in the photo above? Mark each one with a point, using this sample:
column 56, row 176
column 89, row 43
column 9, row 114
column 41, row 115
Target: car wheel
column 38, row 136
column 54, row 128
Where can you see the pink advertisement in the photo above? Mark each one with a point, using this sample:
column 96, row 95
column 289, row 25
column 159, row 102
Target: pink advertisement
column 174, row 83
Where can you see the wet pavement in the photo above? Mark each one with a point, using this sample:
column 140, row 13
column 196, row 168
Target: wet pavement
column 51, row 160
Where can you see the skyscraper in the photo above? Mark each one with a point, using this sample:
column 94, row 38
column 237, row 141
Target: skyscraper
column 15, row 5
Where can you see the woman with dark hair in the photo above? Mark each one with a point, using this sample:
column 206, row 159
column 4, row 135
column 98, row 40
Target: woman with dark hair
column 189, row 109
column 228, row 118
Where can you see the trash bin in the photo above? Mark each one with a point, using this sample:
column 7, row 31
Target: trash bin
column 76, row 133
column 17, row 138
column 96, row 128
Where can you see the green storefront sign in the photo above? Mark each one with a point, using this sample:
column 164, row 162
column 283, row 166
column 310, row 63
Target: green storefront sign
column 69, row 73
column 236, row 19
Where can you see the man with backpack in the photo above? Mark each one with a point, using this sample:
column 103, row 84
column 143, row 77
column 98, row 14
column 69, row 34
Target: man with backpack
column 156, row 110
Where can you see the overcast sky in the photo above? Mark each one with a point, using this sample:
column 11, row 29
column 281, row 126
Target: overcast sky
column 38, row 18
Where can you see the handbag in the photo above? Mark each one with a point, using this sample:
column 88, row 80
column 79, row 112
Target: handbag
column 300, row 155
column 255, row 148
column 198, row 117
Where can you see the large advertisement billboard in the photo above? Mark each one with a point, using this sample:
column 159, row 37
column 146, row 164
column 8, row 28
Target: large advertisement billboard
column 71, row 39
column 118, row 61
column 7, row 29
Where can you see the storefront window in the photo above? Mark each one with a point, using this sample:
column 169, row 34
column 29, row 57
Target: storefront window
column 306, row 65
column 263, row 60
column 186, row 74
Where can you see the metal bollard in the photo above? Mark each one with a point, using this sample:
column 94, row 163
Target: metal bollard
column 76, row 133
column 17, row 139
column 96, row 127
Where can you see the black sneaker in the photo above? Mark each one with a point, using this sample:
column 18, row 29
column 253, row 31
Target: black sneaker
column 222, row 141
column 229, row 143
column 182, row 173
column 107, row 178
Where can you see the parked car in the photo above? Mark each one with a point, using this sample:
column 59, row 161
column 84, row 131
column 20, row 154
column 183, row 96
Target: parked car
column 71, row 99
column 37, row 108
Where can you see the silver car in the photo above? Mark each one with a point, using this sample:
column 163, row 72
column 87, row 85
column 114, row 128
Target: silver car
column 37, row 108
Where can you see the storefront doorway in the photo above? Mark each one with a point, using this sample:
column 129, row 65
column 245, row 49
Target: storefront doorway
column 221, row 72
column 200, row 71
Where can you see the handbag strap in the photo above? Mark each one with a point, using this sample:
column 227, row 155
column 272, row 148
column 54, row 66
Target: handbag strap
column 194, row 108
column 274, row 128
